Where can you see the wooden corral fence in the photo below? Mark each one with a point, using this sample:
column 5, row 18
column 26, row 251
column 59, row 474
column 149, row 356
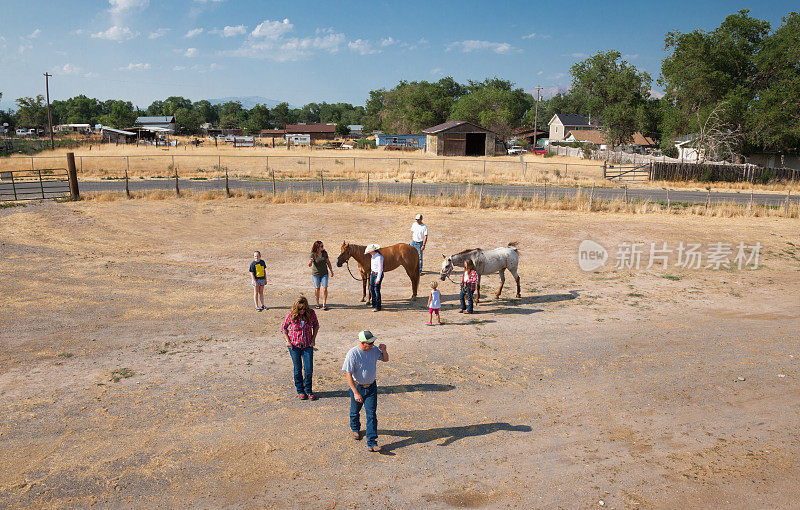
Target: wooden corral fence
column 34, row 184
column 626, row 173
column 719, row 172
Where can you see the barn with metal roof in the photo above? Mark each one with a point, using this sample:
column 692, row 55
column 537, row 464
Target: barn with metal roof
column 459, row 138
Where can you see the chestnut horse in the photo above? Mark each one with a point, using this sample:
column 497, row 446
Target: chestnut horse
column 394, row 256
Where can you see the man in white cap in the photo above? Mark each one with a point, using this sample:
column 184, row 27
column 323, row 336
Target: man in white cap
column 375, row 276
column 361, row 367
column 419, row 237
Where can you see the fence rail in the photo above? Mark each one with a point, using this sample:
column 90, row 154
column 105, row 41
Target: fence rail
column 34, row 184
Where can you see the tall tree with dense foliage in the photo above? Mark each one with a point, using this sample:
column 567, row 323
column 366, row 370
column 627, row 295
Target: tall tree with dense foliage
column 31, row 112
column 494, row 104
column 281, row 115
column 119, row 114
column 703, row 69
column 774, row 114
column 413, row 106
column 613, row 91
column 257, row 119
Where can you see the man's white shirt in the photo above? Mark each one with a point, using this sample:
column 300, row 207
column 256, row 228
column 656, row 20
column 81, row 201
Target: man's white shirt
column 418, row 232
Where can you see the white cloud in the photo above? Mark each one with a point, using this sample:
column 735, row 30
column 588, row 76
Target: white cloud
column 473, row 45
column 91, row 74
column 388, row 42
column 437, row 71
column 631, row 56
column 191, row 52
column 116, row 33
column 362, row 47
column 34, row 34
column 270, row 40
column 161, row 32
column 529, row 36
column 272, row 29
column 193, row 33
column 120, row 10
column 229, row 31
column 78, row 31
column 135, row 67
column 178, row 68
column 67, row 69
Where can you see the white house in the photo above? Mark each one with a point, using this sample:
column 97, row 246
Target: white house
column 562, row 123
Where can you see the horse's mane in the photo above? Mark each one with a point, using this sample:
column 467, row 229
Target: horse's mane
column 467, row 251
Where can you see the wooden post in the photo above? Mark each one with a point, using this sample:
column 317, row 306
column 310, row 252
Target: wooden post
column 411, row 186
column 14, row 185
column 177, row 187
column 708, row 197
column 273, row 182
column 367, row 182
column 219, row 162
column 81, row 163
column 591, row 197
column 127, row 167
column 41, row 183
column 32, row 169
column 626, row 194
column 668, row 200
column 524, row 167
column 483, row 183
column 322, row 182
column 73, row 178
column 309, row 167
column 227, row 188
column 604, row 169
column 566, row 167
column 750, row 203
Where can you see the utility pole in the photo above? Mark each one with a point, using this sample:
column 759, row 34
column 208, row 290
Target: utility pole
column 536, row 116
column 49, row 117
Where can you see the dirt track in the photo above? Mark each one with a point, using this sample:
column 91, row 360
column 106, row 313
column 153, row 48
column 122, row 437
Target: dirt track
column 621, row 386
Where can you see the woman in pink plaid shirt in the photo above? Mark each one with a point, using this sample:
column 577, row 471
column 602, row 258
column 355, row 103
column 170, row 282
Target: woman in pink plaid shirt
column 300, row 329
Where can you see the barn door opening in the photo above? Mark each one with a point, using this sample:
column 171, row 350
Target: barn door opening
column 476, row 144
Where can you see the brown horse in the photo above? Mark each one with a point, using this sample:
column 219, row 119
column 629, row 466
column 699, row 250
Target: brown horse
column 394, row 256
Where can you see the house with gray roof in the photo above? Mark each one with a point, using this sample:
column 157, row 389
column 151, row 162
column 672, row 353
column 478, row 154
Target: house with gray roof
column 165, row 124
column 562, row 123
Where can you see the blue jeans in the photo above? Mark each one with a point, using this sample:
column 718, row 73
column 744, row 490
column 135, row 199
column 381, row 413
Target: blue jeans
column 320, row 281
column 418, row 246
column 302, row 357
column 466, row 292
column 370, row 404
column 375, row 291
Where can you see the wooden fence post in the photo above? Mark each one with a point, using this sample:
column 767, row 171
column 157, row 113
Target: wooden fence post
column 322, row 182
column 227, row 187
column 668, row 201
column 127, row 168
column 591, row 197
column 604, row 169
column 41, row 183
column 367, row 183
column 708, row 196
column 177, row 187
column 273, row 182
column 750, row 203
column 74, row 193
column 411, row 186
column 483, row 183
column 626, row 194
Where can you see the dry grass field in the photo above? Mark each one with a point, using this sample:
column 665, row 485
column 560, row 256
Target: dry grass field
column 134, row 372
column 109, row 161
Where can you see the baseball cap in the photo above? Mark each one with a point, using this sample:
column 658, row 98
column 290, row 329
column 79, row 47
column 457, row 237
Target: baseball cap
column 366, row 336
column 418, row 217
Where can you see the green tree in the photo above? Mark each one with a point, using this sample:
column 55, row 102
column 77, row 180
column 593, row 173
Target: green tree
column 207, row 111
column 76, row 110
column 155, row 109
column 342, row 129
column 703, row 69
column 173, row 103
column 257, row 119
column 118, row 114
column 188, row 119
column 494, row 104
column 613, row 91
column 31, row 112
column 412, row 106
column 774, row 114
column 281, row 115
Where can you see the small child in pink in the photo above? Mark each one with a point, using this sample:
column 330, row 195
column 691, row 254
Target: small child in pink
column 434, row 303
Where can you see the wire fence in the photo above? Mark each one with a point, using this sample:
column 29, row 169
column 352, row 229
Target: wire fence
column 300, row 166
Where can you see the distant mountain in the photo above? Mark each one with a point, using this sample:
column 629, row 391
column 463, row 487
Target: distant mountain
column 249, row 101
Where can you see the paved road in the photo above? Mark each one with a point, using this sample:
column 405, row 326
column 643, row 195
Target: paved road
column 435, row 189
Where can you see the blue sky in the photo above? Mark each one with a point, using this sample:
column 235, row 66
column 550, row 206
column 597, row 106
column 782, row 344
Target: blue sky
column 299, row 52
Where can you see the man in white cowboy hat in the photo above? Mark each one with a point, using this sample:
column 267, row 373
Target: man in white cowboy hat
column 419, row 237
column 361, row 367
column 375, row 276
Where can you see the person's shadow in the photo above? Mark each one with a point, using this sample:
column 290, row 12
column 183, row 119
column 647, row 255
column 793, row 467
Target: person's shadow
column 388, row 390
column 449, row 434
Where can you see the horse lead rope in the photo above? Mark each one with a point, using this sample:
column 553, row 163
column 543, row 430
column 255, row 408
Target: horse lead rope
column 347, row 263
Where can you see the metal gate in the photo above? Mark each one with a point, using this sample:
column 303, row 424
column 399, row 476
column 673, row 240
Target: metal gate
column 34, row 184
column 628, row 173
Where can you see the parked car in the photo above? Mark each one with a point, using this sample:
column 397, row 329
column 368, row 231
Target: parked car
column 346, row 146
column 516, row 149
column 539, row 151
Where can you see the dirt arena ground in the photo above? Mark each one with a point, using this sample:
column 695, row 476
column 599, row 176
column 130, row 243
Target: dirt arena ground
column 623, row 388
